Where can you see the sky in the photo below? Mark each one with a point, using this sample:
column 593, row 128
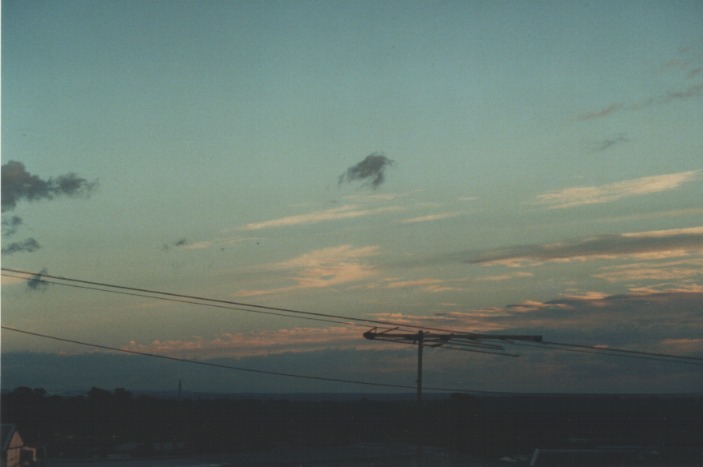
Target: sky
column 477, row 166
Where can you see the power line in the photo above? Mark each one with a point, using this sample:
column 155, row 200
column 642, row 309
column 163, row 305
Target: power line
column 230, row 367
column 178, row 300
column 255, row 307
column 337, row 319
column 625, row 353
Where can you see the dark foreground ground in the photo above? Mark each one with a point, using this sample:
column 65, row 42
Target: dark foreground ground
column 117, row 428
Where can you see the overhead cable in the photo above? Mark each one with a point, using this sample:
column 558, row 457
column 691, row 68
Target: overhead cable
column 230, row 367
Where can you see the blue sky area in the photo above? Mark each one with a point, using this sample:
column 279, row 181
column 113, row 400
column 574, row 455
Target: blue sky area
column 485, row 166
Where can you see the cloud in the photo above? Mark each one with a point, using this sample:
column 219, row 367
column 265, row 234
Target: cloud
column 687, row 92
column 505, row 277
column 693, row 73
column 430, row 217
column 429, row 284
column 685, row 68
column 36, row 282
column 239, row 345
column 693, row 90
column 686, row 345
column 325, row 267
column 343, row 212
column 587, row 195
column 18, row 185
column 612, row 108
column 371, row 169
column 650, row 271
column 667, row 322
column 657, row 244
column 181, row 242
column 29, row 245
column 10, row 225
column 609, row 143
column 667, row 314
column 364, row 197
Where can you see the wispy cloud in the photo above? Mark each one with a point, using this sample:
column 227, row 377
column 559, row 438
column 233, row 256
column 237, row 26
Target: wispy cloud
column 685, row 66
column 429, row 284
column 604, row 112
column 218, row 242
column 653, row 271
column 292, row 340
column 674, row 326
column 373, row 197
column 430, row 217
column 608, row 143
column 321, row 268
column 350, row 211
column 683, row 345
column 597, row 194
column 658, row 244
column 686, row 92
column 179, row 243
column 505, row 277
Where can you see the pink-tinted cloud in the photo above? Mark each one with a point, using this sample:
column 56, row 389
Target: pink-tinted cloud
column 293, row 340
column 430, row 217
column 344, row 212
column 505, row 277
column 653, row 271
column 431, row 285
column 325, row 267
column 683, row 345
column 673, row 243
column 597, row 194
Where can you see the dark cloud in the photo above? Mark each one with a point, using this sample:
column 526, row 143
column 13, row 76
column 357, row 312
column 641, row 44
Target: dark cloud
column 609, row 143
column 10, row 225
column 18, row 185
column 688, row 92
column 612, row 108
column 28, row 246
column 667, row 322
column 693, row 73
column 596, row 246
column 371, row 170
column 691, row 91
column 174, row 244
column 36, row 282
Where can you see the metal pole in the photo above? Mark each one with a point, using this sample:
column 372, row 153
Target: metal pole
column 420, row 341
column 418, row 418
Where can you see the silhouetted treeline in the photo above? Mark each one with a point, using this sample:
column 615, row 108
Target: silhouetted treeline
column 101, row 421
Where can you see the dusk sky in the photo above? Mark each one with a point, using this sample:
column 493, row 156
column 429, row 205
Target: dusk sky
column 487, row 166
